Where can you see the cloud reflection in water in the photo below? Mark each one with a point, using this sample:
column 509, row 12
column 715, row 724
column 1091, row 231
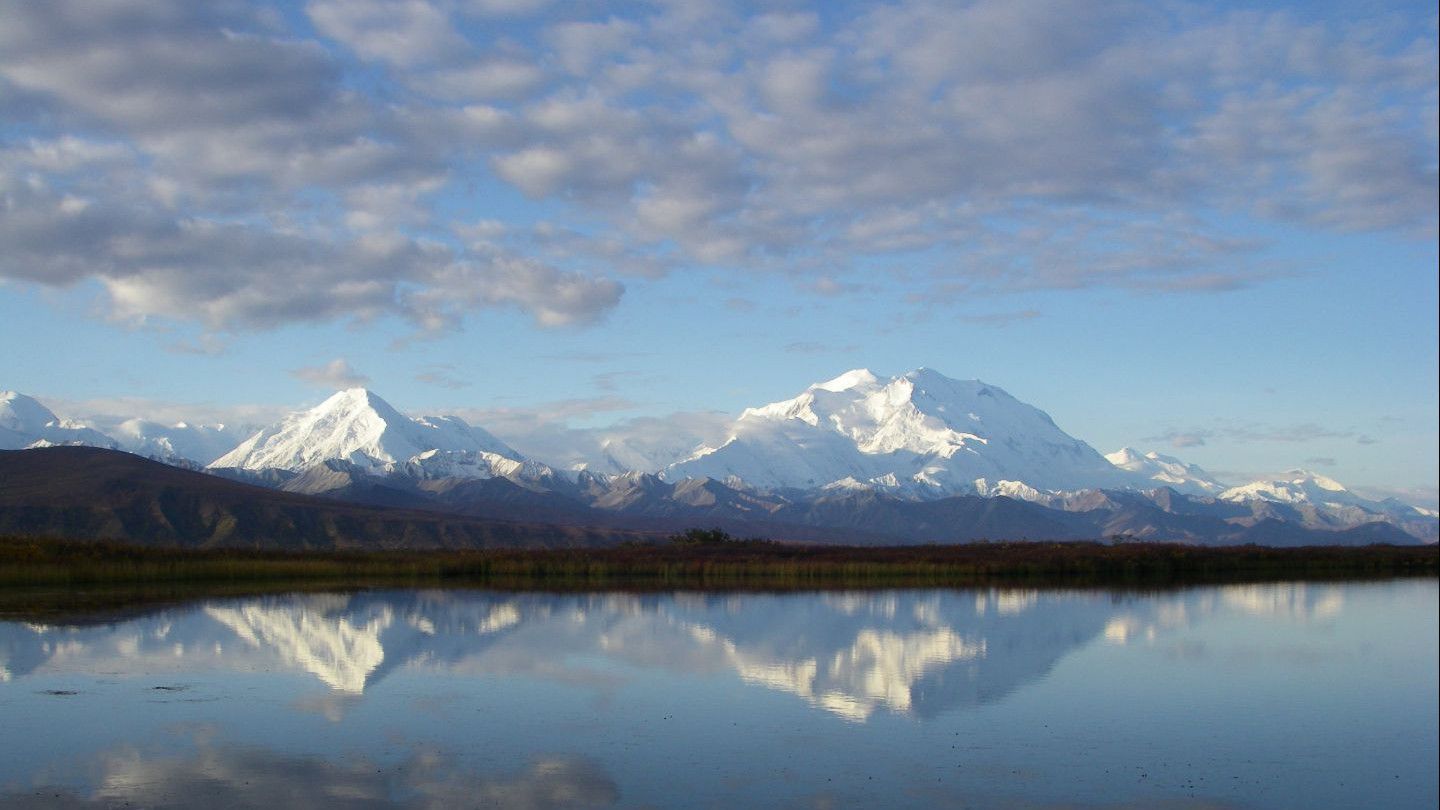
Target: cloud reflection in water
column 226, row 776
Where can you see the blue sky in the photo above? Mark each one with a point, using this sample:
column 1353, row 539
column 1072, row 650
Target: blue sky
column 1204, row 229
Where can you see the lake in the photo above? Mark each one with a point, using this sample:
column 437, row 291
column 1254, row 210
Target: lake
column 1280, row 695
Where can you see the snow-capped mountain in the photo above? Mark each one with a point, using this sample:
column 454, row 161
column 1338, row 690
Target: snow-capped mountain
column 360, row 428
column 1296, row 487
column 877, row 458
column 1320, row 501
column 1165, row 471
column 181, row 441
column 920, row 433
column 24, row 422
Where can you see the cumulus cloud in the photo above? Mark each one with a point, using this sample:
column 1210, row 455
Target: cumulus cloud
column 152, row 261
column 335, row 374
column 486, row 79
column 406, row 33
column 204, row 161
column 1059, row 164
column 201, row 90
column 504, row 8
column 193, row 203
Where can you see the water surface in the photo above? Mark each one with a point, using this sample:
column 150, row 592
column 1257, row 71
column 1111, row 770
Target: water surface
column 1291, row 695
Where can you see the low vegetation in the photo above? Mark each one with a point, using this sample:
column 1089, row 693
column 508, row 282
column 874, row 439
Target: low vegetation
column 712, row 558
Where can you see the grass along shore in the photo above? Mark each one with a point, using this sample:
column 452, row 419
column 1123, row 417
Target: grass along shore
column 700, row 558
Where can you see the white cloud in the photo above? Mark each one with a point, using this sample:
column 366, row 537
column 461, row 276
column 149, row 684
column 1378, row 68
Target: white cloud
column 504, row 8
column 503, row 78
column 407, row 33
column 335, row 374
column 203, row 162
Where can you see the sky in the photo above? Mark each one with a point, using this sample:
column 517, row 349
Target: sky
column 1206, row 229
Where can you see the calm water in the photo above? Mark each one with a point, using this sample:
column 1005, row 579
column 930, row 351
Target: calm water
column 1296, row 695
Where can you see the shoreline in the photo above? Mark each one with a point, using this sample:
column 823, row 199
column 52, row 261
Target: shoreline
column 29, row 561
column 53, row 580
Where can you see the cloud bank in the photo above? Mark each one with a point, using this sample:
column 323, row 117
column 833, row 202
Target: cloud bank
column 225, row 164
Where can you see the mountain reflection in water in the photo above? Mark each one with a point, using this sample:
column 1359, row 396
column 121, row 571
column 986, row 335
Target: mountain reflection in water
column 852, row 653
column 1274, row 695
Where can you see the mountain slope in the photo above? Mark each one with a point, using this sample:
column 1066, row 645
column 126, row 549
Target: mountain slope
column 920, row 433
column 94, row 494
column 1317, row 501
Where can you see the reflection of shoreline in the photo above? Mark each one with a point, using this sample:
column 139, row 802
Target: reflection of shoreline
column 221, row 775
column 1287, row 601
column 849, row 653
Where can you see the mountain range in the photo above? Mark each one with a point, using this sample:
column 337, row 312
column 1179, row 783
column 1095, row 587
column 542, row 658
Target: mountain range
column 919, row 457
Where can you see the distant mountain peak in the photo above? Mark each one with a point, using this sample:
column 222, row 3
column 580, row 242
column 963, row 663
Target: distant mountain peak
column 358, row 426
column 22, row 413
column 24, row 422
column 1154, row 469
column 1295, row 487
column 1299, row 476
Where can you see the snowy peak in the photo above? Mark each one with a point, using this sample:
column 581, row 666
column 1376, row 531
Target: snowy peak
column 23, row 414
column 1154, row 469
column 920, row 432
column 24, row 422
column 1326, row 501
column 855, row 378
column 1294, row 487
column 1128, row 458
column 359, row 427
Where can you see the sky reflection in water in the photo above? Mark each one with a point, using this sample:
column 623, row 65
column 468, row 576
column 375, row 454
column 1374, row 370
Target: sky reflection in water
column 1262, row 695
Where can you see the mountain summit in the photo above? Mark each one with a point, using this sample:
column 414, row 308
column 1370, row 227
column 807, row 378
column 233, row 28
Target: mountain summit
column 1166, row 471
column 24, row 422
column 920, row 433
column 1296, row 486
column 358, row 427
